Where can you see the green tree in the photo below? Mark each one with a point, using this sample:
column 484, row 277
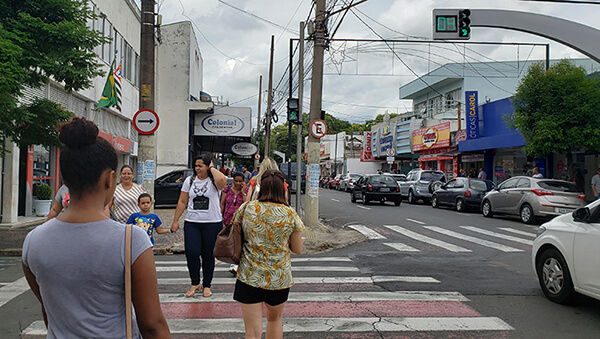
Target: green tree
column 39, row 40
column 378, row 119
column 556, row 110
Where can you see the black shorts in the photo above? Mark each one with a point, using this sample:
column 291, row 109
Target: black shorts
column 247, row 294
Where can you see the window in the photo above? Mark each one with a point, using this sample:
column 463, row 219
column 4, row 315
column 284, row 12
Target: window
column 435, row 105
column 128, row 62
column 452, row 98
column 136, row 79
column 558, row 186
column 510, row 183
column 523, row 183
column 451, row 184
column 421, row 108
column 107, row 48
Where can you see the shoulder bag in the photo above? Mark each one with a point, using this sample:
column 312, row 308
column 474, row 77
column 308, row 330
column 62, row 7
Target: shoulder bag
column 228, row 247
column 128, row 308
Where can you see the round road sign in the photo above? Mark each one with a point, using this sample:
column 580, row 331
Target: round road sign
column 318, row 128
column 390, row 152
column 145, row 121
column 257, row 156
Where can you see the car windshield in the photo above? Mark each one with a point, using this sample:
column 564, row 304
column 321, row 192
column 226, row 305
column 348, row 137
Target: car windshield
column 355, row 176
column 398, row 176
column 560, row 186
column 383, row 179
column 432, row 176
column 481, row 185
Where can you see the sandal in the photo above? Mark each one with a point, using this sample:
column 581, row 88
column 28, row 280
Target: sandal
column 206, row 292
column 192, row 291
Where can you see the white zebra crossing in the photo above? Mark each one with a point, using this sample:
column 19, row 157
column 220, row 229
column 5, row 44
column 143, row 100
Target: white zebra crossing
column 367, row 232
column 478, row 241
column 426, row 239
column 498, row 235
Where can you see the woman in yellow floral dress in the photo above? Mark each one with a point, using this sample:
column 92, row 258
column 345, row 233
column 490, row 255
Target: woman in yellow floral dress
column 272, row 230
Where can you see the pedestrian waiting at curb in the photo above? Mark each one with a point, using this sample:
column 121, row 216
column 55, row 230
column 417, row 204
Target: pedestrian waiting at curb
column 149, row 222
column 75, row 263
column 124, row 202
column 203, row 221
column 233, row 197
column 271, row 230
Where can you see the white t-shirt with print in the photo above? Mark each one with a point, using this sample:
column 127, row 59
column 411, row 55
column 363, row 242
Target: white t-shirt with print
column 202, row 188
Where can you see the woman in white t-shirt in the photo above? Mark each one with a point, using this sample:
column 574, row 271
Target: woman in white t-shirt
column 203, row 221
column 125, row 200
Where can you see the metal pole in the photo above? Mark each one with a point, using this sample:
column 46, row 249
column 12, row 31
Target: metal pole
column 269, row 103
column 147, row 151
column 258, row 124
column 289, row 148
column 547, row 56
column 311, row 216
column 299, row 127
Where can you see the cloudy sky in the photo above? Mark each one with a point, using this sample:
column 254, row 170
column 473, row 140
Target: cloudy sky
column 361, row 80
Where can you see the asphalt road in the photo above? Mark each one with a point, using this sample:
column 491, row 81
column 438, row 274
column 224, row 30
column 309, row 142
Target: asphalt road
column 424, row 273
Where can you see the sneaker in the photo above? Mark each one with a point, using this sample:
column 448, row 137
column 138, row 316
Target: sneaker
column 233, row 269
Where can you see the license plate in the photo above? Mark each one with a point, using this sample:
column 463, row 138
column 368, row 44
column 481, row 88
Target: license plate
column 384, row 189
column 564, row 210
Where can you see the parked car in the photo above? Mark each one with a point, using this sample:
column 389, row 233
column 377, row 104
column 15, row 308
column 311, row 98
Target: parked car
column 376, row 187
column 168, row 186
column 565, row 254
column 347, row 181
column 398, row 177
column 418, row 184
column 532, row 198
column 461, row 193
column 284, row 169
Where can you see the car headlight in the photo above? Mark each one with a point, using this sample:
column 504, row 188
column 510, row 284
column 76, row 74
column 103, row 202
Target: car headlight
column 540, row 231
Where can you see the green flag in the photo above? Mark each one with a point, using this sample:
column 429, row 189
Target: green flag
column 109, row 94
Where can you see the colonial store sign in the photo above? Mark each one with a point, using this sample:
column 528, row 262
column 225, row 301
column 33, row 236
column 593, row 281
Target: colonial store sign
column 436, row 136
column 244, row 149
column 226, row 121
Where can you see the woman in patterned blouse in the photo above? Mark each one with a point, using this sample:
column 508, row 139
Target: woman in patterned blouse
column 272, row 230
column 125, row 200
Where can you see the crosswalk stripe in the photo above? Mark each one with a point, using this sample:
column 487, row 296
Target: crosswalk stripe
column 498, row 235
column 426, row 239
column 478, row 241
column 415, row 221
column 13, row 290
column 367, row 232
column 364, row 208
column 294, row 269
column 327, row 325
column 401, row 247
column 314, row 280
column 508, row 229
column 294, row 260
column 327, row 296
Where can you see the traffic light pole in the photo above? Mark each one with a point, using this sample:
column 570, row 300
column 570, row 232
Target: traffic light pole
column 289, row 148
column 300, row 114
column 311, row 215
column 269, row 103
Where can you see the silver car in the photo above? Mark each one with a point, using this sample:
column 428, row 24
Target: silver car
column 347, row 181
column 532, row 198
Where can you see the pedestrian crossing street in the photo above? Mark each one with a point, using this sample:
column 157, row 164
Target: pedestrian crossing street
column 460, row 239
column 331, row 299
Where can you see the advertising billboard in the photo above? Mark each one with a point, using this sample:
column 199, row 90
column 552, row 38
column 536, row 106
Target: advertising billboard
column 225, row 121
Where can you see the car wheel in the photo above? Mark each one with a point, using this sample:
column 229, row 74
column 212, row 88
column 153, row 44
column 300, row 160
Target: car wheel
column 460, row 205
column 554, row 277
column 434, row 201
column 398, row 201
column 527, row 216
column 352, row 197
column 486, row 209
column 365, row 201
column 411, row 197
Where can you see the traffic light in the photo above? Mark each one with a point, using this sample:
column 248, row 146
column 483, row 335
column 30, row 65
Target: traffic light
column 464, row 23
column 293, row 106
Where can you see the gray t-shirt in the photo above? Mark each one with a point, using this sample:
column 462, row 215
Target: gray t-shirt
column 63, row 197
column 247, row 176
column 596, row 182
column 81, row 273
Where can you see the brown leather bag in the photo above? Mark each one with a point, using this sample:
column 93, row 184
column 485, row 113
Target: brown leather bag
column 228, row 247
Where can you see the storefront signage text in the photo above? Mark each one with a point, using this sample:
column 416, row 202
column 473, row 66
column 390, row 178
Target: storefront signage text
column 472, row 115
column 366, row 154
column 436, row 136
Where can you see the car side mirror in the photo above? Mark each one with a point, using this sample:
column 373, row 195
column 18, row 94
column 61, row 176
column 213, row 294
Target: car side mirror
column 581, row 214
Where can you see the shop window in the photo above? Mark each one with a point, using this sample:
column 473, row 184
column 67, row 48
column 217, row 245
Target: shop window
column 41, row 165
column 452, row 98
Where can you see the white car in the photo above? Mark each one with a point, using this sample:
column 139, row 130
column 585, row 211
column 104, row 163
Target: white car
column 566, row 252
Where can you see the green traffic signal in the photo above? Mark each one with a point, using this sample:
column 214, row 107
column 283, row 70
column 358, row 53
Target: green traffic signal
column 464, row 32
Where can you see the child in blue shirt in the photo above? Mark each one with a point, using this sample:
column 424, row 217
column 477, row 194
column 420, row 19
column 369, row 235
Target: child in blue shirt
column 146, row 220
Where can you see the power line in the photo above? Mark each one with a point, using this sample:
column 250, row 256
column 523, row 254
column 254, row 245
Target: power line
column 258, row 17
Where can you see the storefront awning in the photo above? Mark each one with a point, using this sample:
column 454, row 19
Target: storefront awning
column 423, row 159
column 498, row 141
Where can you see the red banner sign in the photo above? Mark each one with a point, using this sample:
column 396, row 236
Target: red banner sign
column 365, row 154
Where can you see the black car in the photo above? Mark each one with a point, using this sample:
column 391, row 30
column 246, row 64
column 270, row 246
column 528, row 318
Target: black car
column 168, row 186
column 284, row 169
column 376, row 187
column 461, row 193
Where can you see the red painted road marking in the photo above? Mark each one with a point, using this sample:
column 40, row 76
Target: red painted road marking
column 327, row 309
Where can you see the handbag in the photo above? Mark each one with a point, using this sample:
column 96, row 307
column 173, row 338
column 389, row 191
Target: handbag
column 228, row 247
column 128, row 308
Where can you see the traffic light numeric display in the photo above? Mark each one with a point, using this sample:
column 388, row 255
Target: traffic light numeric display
column 293, row 114
column 464, row 23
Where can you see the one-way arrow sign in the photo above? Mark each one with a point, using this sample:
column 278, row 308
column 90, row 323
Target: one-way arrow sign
column 145, row 121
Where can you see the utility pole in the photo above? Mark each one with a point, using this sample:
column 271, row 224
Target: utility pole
column 269, row 103
column 147, row 150
column 300, row 114
column 258, row 124
column 311, row 215
column 289, row 148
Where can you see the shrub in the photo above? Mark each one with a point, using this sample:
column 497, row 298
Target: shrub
column 43, row 192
